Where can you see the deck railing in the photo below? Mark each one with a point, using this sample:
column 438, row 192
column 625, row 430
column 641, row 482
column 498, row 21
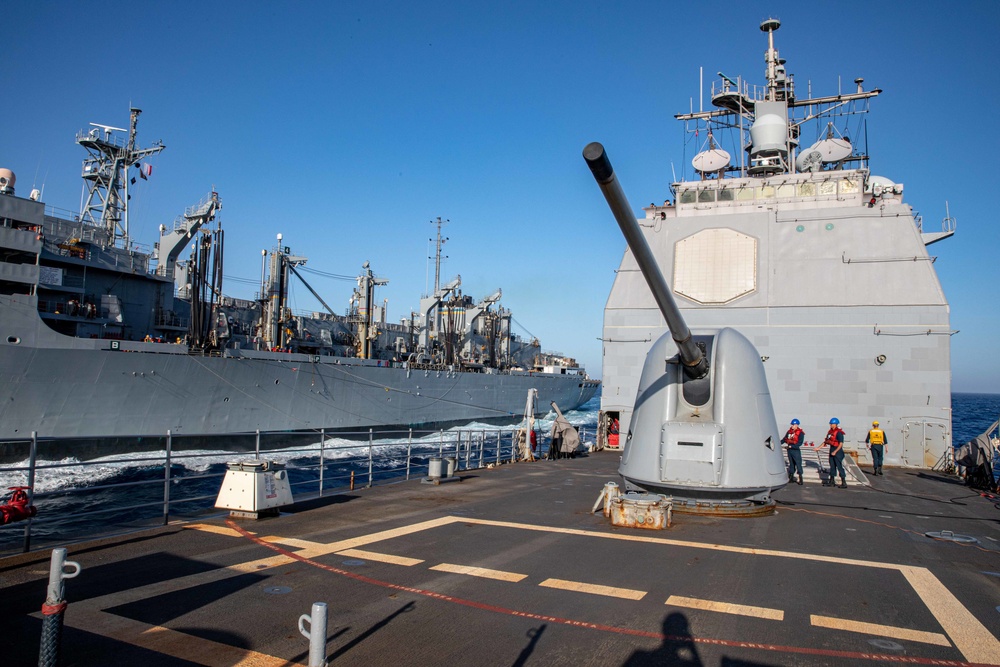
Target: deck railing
column 129, row 491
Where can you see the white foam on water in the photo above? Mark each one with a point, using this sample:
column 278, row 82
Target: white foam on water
column 388, row 452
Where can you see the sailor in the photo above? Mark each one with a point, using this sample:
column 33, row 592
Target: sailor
column 876, row 443
column 794, row 439
column 835, row 441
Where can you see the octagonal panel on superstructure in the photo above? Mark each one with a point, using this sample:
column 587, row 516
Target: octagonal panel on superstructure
column 715, row 266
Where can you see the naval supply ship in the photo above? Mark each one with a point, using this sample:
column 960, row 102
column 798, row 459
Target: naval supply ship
column 103, row 338
column 820, row 263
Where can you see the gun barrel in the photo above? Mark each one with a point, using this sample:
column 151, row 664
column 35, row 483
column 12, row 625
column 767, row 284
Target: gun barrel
column 695, row 364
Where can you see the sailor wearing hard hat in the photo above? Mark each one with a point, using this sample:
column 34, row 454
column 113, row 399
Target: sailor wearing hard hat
column 794, row 439
column 876, row 443
column 835, row 441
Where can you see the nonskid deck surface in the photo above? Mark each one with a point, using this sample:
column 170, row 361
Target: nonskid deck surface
column 509, row 567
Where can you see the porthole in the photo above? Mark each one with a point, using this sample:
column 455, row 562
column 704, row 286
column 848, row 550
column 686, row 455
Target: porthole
column 800, row 228
column 276, row 380
column 225, row 400
column 13, row 340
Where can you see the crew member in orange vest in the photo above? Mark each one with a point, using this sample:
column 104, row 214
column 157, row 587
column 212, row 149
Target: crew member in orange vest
column 835, row 441
column 794, row 439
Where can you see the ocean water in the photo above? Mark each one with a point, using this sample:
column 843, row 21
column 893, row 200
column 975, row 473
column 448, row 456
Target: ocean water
column 125, row 492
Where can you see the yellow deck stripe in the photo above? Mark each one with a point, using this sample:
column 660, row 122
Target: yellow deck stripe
column 935, row 638
column 594, row 589
column 971, row 637
column 682, row 543
column 382, row 558
column 292, row 542
column 976, row 643
column 165, row 641
column 479, row 572
column 727, row 608
column 209, row 528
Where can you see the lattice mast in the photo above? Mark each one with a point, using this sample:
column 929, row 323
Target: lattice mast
column 106, row 173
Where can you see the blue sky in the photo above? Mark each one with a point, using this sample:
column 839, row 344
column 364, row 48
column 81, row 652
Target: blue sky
column 349, row 126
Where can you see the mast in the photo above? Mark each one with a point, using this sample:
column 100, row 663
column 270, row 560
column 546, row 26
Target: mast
column 437, row 253
column 106, row 173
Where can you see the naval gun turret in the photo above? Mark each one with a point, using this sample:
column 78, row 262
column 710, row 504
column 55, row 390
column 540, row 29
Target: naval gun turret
column 703, row 427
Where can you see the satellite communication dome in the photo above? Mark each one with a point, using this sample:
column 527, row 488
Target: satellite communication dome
column 712, row 160
column 7, row 180
column 833, row 150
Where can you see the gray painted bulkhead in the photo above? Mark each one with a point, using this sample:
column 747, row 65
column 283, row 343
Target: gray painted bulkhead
column 838, row 285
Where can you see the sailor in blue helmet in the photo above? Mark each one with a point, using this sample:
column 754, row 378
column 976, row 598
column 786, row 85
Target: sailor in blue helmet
column 835, row 441
column 793, row 440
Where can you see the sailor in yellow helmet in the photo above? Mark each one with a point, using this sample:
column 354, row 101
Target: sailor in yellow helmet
column 876, row 443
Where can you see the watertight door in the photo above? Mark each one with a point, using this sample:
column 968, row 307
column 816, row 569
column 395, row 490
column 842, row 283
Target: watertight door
column 924, row 442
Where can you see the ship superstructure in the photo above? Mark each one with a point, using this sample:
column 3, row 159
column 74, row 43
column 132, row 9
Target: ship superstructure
column 100, row 337
column 817, row 261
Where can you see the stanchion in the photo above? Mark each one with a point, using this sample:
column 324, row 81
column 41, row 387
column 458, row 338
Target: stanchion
column 316, row 634
column 54, row 608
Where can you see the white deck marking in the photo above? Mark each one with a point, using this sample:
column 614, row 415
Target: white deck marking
column 726, row 608
column 479, row 572
column 593, row 589
column 382, row 558
column 893, row 632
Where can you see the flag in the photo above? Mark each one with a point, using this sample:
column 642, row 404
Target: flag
column 133, row 180
column 144, row 170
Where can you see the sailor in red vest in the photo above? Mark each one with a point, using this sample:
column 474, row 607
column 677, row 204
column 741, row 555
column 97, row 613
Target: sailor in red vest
column 835, row 441
column 794, row 439
column 876, row 443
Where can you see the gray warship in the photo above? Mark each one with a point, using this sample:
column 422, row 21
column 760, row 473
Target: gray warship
column 103, row 338
column 818, row 262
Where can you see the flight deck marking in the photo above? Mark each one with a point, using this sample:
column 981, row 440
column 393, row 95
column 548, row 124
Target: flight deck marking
column 594, row 589
column 727, row 608
column 479, row 572
column 292, row 542
column 802, row 650
column 209, row 528
column 165, row 641
column 382, row 558
column 969, row 636
column 935, row 638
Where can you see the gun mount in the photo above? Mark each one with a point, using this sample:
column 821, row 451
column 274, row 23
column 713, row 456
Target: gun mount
column 703, row 427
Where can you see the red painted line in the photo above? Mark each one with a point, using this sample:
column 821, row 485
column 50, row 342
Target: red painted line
column 850, row 655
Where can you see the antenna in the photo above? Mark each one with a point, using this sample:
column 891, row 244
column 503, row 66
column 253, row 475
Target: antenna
column 437, row 253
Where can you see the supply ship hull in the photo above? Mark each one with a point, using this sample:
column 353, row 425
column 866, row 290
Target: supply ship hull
column 103, row 338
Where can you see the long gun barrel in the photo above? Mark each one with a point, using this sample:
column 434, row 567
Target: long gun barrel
column 695, row 363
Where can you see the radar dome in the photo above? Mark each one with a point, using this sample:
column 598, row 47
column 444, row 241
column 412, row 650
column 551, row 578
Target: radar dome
column 7, row 180
column 878, row 185
column 769, row 133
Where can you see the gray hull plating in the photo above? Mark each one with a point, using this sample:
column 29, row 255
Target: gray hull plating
column 105, row 393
